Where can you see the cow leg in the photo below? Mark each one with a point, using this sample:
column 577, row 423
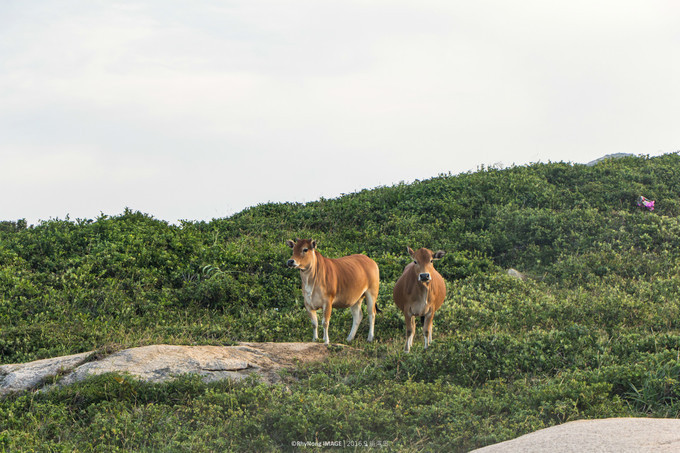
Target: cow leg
column 357, row 315
column 315, row 324
column 327, row 308
column 427, row 328
column 370, row 309
column 410, row 331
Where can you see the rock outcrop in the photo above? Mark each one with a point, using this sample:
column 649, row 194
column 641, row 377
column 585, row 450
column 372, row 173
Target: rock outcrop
column 608, row 156
column 25, row 376
column 163, row 362
column 611, row 435
column 516, row 274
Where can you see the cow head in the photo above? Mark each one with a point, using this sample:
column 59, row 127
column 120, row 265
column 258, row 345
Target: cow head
column 423, row 260
column 303, row 253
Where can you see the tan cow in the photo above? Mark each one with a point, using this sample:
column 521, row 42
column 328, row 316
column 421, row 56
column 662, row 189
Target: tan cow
column 335, row 283
column 420, row 291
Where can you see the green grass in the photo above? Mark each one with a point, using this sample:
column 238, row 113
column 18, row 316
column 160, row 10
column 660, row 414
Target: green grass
column 594, row 332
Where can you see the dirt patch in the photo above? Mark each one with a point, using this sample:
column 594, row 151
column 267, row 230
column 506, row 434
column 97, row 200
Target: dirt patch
column 290, row 354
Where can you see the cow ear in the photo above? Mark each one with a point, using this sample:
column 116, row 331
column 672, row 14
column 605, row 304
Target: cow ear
column 290, row 244
column 313, row 244
column 439, row 254
column 411, row 252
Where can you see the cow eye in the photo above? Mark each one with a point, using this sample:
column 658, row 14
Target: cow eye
column 305, row 250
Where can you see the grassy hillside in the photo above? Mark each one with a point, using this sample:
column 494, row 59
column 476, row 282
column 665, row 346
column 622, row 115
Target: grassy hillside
column 595, row 331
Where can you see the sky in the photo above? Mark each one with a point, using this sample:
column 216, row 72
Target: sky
column 194, row 110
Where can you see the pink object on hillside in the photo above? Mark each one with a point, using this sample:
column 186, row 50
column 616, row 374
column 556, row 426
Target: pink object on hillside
column 644, row 202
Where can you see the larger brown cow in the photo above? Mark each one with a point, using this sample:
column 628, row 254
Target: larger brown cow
column 420, row 291
column 335, row 283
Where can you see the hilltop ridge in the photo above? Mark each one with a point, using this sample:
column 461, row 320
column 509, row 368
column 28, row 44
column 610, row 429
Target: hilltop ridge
column 593, row 331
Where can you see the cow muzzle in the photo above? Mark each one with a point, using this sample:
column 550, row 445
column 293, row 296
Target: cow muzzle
column 424, row 277
column 291, row 263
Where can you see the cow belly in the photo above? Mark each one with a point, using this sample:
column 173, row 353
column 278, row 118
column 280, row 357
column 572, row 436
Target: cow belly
column 316, row 300
column 348, row 298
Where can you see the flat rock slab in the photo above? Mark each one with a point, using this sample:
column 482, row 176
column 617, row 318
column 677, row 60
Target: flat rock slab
column 24, row 376
column 611, row 435
column 160, row 363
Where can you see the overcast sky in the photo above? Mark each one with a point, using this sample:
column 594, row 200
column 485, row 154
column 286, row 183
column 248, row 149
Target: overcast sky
column 198, row 109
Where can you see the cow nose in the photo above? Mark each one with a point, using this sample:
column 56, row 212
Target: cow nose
column 424, row 277
column 291, row 263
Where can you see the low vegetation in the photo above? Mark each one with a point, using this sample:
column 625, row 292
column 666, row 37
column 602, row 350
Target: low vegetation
column 593, row 332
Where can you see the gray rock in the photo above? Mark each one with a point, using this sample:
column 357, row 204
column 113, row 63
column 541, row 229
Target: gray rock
column 516, row 274
column 164, row 362
column 612, row 435
column 24, row 376
column 608, row 156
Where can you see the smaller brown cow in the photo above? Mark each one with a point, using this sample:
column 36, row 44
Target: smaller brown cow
column 335, row 283
column 420, row 291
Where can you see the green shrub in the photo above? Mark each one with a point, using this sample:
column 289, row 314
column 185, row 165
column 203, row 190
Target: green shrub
column 593, row 332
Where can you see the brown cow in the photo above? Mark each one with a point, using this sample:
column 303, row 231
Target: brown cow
column 420, row 291
column 335, row 283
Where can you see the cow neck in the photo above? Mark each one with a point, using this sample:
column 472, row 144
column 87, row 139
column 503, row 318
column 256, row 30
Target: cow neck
column 311, row 271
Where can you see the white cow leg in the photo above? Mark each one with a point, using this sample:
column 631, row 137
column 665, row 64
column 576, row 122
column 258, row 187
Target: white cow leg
column 357, row 316
column 370, row 307
column 427, row 329
column 410, row 332
column 315, row 324
column 327, row 320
